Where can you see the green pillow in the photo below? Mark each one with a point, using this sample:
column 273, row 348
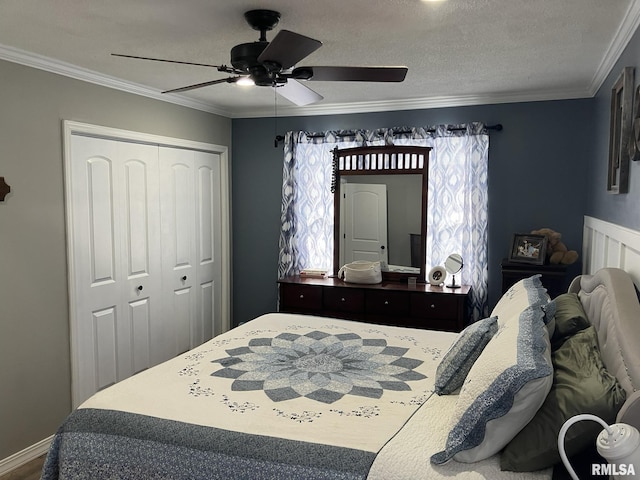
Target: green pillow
column 581, row 384
column 570, row 318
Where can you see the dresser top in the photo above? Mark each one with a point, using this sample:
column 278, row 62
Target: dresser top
column 332, row 281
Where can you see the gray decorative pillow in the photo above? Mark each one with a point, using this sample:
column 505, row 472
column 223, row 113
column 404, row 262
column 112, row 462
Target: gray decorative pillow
column 503, row 390
column 459, row 359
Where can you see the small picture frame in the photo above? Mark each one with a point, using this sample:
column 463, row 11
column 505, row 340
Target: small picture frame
column 529, row 248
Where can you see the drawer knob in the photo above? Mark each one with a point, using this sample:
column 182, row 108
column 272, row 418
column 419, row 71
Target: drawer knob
column 301, row 295
column 386, row 302
column 433, row 306
column 342, row 299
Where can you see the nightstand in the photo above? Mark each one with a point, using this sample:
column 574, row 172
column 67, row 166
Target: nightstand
column 554, row 277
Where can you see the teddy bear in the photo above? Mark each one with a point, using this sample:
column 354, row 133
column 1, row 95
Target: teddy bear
column 557, row 251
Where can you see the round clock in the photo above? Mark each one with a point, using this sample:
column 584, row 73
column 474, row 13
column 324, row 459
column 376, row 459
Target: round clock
column 437, row 275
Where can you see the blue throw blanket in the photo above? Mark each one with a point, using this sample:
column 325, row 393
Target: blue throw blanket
column 96, row 443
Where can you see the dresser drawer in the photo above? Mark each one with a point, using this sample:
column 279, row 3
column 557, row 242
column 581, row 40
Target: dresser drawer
column 305, row 297
column 386, row 303
column 435, row 306
column 344, row 299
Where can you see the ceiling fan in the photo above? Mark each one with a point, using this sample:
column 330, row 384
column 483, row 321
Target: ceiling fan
column 273, row 63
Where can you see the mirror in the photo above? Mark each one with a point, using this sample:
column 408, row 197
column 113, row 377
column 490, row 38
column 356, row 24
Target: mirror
column 380, row 208
column 385, row 207
column 453, row 264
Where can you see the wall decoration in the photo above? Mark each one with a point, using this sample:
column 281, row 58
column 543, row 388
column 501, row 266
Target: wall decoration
column 4, row 189
column 634, row 142
column 620, row 132
column 528, row 248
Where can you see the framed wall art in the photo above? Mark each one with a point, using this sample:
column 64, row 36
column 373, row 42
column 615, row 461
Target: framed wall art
column 528, row 248
column 634, row 141
column 620, row 132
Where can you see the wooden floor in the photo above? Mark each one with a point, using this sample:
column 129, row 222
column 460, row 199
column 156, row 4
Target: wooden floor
column 28, row 471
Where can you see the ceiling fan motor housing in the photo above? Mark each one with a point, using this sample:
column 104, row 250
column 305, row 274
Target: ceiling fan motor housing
column 245, row 57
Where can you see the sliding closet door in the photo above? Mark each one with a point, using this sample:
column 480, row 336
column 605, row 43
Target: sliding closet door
column 191, row 235
column 116, row 255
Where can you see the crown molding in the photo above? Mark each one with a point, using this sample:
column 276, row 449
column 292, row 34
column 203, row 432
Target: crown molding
column 417, row 103
column 47, row 64
column 628, row 27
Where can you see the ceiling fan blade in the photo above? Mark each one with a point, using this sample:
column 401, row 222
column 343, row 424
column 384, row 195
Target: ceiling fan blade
column 351, row 74
column 203, row 84
column 168, row 61
column 298, row 93
column 288, row 48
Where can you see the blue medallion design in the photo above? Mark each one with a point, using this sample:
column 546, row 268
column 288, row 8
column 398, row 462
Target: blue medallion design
column 319, row 366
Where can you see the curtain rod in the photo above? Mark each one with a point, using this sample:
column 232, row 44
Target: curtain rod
column 497, row 127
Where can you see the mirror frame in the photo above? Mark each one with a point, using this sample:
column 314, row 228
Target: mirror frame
column 382, row 160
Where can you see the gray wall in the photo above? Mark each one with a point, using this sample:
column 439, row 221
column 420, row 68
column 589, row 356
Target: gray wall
column 35, row 383
column 623, row 209
column 536, row 179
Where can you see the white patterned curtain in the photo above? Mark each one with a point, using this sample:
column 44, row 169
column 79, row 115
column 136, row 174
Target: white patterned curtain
column 457, row 198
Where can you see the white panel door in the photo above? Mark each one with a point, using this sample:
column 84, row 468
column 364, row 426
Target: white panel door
column 365, row 223
column 208, row 247
column 191, row 236
column 116, row 253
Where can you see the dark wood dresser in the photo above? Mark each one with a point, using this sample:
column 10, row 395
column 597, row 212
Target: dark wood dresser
column 389, row 303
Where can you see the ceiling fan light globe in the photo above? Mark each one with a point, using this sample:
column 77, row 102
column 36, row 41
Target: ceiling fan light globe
column 245, row 82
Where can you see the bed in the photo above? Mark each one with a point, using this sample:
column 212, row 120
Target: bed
column 303, row 397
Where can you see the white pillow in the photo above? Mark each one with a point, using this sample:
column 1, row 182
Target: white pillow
column 503, row 390
column 528, row 291
column 456, row 363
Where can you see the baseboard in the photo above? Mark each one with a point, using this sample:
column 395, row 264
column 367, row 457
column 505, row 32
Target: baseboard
column 20, row 458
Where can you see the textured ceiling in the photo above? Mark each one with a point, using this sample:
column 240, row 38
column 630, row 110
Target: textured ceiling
column 458, row 52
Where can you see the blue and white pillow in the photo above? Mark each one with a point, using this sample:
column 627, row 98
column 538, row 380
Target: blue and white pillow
column 503, row 390
column 460, row 357
column 526, row 292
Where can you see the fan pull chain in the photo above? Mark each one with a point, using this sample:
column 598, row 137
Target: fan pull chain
column 275, row 121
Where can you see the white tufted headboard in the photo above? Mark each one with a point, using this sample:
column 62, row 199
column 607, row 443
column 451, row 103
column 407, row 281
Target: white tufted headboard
column 611, row 303
column 610, row 300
